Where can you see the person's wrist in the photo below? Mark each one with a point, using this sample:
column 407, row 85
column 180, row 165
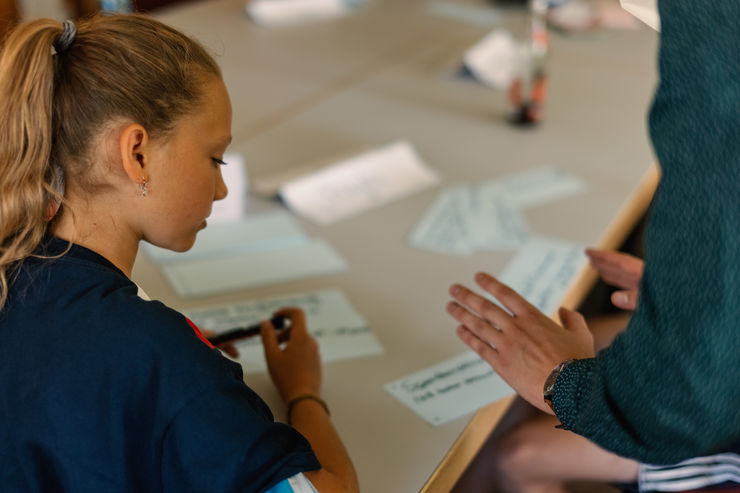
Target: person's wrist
column 549, row 387
column 302, row 400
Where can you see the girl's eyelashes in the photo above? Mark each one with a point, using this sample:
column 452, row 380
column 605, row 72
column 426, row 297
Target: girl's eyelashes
column 219, row 161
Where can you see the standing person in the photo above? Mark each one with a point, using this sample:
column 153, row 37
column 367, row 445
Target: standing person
column 536, row 456
column 114, row 132
column 667, row 388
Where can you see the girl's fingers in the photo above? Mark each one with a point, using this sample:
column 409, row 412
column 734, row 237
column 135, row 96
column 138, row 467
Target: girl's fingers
column 269, row 339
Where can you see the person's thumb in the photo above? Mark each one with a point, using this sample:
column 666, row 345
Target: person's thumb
column 572, row 320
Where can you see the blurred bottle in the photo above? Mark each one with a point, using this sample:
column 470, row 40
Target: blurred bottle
column 528, row 89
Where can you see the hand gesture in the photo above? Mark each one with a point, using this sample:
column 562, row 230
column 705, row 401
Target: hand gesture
column 620, row 270
column 524, row 345
column 295, row 368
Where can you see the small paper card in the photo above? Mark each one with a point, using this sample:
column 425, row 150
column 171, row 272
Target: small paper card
column 359, row 183
column 274, row 13
column 493, row 59
column 450, row 389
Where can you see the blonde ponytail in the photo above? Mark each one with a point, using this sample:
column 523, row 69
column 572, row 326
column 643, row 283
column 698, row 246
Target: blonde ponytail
column 26, row 95
column 54, row 105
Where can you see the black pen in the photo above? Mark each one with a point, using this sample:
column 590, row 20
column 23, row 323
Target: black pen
column 278, row 321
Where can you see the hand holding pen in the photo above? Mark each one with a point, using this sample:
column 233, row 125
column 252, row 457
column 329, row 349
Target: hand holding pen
column 279, row 322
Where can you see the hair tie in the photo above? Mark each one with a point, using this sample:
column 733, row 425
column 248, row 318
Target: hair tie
column 65, row 40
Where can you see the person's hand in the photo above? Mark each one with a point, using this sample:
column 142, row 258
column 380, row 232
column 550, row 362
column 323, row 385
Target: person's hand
column 295, row 368
column 620, row 270
column 522, row 347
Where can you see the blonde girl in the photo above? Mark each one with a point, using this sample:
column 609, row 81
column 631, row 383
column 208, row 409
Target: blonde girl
column 113, row 131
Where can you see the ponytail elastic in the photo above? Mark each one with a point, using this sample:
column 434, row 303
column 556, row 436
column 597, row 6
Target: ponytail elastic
column 65, row 40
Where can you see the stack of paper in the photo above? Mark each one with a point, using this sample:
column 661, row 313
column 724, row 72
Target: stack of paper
column 357, row 184
column 341, row 332
column 263, row 249
column 469, row 218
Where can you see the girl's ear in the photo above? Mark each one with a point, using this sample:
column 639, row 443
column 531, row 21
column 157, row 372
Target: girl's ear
column 134, row 148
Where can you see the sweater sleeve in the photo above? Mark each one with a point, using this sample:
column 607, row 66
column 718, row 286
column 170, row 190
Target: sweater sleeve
column 668, row 387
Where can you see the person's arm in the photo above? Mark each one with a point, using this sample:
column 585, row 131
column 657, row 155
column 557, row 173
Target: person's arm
column 667, row 389
column 296, row 371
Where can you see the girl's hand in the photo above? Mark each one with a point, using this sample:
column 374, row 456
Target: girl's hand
column 620, row 270
column 522, row 347
column 295, row 368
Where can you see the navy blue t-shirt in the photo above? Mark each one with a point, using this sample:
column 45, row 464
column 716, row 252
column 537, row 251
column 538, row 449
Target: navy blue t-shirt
column 102, row 391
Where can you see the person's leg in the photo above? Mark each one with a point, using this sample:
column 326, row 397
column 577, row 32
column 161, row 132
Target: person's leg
column 536, row 457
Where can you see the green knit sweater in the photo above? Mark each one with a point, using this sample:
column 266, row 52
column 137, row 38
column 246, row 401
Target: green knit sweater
column 668, row 388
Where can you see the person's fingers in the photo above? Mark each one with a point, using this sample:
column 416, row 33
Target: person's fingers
column 572, row 320
column 481, row 328
column 297, row 318
column 507, row 296
column 482, row 348
column 230, row 350
column 480, row 305
column 626, row 300
column 269, row 339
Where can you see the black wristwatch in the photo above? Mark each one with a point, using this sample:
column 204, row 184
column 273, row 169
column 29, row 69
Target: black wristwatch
column 550, row 382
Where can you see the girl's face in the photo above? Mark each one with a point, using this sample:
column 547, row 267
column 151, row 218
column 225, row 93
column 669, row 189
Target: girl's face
column 185, row 176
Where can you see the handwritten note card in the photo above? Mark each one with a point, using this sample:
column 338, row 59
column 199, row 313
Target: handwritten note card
column 542, row 270
column 359, row 183
column 466, row 219
column 341, row 332
column 451, row 389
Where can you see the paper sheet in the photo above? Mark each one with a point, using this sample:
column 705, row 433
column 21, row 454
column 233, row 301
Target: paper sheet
column 232, row 207
column 201, row 277
column 341, row 332
column 466, row 219
column 450, row 389
column 359, row 183
column 255, row 234
column 542, row 270
column 276, row 13
column 535, row 186
column 493, row 60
